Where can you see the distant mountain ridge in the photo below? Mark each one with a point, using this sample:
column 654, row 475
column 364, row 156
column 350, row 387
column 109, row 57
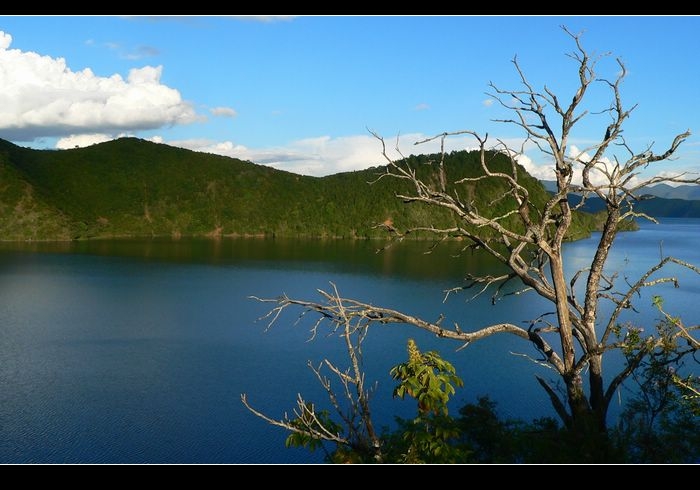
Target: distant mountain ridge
column 133, row 187
column 662, row 200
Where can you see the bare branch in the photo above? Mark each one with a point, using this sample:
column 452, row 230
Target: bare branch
column 683, row 330
column 442, row 137
column 313, row 428
column 342, row 311
column 632, row 364
column 640, row 284
column 539, row 363
column 556, row 401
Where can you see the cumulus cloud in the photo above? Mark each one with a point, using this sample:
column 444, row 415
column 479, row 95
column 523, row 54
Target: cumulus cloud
column 545, row 170
column 223, row 111
column 82, row 140
column 5, row 40
column 541, row 172
column 683, row 172
column 597, row 176
column 421, row 107
column 42, row 97
column 324, row 155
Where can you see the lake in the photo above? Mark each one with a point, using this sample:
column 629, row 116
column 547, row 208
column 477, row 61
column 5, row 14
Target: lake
column 137, row 351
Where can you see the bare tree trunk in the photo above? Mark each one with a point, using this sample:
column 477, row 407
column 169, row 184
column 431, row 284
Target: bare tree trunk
column 599, row 404
column 574, row 391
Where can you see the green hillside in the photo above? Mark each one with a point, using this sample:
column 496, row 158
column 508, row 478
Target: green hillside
column 132, row 187
column 24, row 214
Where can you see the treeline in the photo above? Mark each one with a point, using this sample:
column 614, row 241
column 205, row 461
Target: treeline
column 132, row 187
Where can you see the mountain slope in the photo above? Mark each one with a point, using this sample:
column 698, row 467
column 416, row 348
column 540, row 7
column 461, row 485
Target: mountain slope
column 662, row 200
column 24, row 215
column 665, row 191
column 656, row 207
column 132, row 187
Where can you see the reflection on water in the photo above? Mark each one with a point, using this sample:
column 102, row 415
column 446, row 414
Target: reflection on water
column 138, row 350
column 405, row 259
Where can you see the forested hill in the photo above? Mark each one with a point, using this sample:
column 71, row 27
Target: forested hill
column 132, row 187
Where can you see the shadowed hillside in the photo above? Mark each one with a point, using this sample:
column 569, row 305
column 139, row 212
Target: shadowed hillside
column 659, row 201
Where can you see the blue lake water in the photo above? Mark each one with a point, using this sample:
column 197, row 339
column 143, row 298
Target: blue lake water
column 138, row 351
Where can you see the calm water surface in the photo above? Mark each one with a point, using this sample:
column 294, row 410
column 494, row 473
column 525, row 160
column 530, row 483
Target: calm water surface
column 138, row 351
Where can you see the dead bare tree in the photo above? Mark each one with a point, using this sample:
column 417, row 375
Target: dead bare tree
column 357, row 432
column 578, row 339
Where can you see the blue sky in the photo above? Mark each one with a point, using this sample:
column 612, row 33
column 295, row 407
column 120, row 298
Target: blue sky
column 299, row 93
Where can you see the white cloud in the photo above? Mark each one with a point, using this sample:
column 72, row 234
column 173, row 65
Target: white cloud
column 223, row 111
column 422, row 107
column 5, row 40
column 541, row 172
column 687, row 173
column 325, row 155
column 42, row 96
column 487, row 102
column 82, row 140
column 597, row 176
